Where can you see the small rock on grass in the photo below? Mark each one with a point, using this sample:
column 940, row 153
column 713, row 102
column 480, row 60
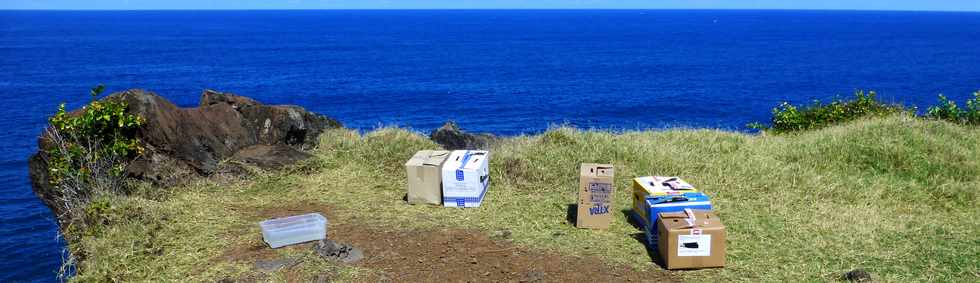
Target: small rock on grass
column 858, row 275
column 500, row 234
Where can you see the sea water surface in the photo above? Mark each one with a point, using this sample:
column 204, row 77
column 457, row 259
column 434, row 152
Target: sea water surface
column 508, row 72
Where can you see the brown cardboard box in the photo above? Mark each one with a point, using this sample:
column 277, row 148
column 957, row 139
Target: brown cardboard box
column 425, row 176
column 686, row 246
column 595, row 196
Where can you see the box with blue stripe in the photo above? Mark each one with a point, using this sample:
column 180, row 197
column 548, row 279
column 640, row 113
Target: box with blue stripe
column 646, row 214
column 465, row 178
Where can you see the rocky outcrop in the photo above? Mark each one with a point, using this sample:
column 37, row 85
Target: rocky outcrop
column 451, row 137
column 187, row 142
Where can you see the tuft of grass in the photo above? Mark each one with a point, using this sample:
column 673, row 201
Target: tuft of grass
column 893, row 195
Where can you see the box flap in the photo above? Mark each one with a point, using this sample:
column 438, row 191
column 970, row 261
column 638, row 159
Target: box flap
column 703, row 219
column 435, row 157
column 466, row 159
column 660, row 185
column 418, row 158
column 597, row 170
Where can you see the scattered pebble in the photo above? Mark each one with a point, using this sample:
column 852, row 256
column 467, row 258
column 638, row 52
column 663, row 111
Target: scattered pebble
column 271, row 265
column 333, row 251
column 534, row 276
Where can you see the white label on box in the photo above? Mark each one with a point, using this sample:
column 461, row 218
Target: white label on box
column 693, row 245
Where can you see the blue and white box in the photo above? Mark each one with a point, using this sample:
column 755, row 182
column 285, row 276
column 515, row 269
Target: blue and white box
column 465, row 178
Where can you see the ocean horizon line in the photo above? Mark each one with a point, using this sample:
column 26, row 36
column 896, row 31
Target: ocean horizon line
column 494, row 9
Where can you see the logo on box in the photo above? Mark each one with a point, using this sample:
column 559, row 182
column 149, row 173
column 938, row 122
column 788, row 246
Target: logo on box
column 459, row 175
column 600, row 192
column 599, row 209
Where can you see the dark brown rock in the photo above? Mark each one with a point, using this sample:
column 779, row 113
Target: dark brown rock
column 285, row 124
column 451, row 137
column 270, row 156
column 186, row 142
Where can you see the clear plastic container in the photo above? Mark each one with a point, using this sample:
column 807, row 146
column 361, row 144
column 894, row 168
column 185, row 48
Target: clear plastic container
column 290, row 230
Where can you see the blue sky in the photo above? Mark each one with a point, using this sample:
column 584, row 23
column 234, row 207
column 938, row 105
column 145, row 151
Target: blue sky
column 942, row 5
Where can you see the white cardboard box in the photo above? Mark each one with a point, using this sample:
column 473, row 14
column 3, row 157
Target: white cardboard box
column 465, row 178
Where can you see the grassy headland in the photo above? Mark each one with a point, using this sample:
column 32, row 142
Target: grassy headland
column 894, row 195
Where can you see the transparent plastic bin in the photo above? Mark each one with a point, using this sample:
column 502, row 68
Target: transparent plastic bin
column 290, row 230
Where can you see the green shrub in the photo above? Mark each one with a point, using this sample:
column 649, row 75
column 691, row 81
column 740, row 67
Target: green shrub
column 973, row 109
column 90, row 150
column 947, row 110
column 788, row 118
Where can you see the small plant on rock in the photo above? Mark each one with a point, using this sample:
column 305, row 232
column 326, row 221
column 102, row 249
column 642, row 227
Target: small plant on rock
column 89, row 151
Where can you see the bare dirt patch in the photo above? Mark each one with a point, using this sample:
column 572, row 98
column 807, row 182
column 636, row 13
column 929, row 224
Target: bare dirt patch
column 468, row 255
column 449, row 254
column 471, row 256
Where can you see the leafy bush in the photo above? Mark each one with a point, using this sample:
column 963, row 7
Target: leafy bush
column 948, row 110
column 973, row 109
column 787, row 117
column 90, row 151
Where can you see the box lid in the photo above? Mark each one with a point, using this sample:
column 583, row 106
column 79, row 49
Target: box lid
column 597, row 170
column 660, row 185
column 466, row 159
column 690, row 219
column 428, row 158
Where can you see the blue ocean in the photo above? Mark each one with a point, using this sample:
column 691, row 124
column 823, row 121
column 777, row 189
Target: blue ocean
column 508, row 72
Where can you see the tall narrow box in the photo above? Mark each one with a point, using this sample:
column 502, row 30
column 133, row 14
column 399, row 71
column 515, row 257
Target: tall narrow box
column 465, row 178
column 691, row 239
column 595, row 196
column 425, row 176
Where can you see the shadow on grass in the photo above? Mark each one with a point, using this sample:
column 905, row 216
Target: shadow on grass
column 632, row 219
column 641, row 237
column 571, row 214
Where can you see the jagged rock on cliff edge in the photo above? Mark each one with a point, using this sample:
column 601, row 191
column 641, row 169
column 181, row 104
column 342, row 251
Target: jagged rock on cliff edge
column 189, row 142
column 451, row 137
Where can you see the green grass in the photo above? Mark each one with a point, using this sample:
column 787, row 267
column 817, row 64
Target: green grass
column 896, row 196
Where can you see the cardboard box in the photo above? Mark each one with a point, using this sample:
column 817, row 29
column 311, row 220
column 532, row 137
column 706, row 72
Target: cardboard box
column 465, row 178
column 595, row 196
column 425, row 176
column 653, row 186
column 656, row 205
column 650, row 207
column 691, row 239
